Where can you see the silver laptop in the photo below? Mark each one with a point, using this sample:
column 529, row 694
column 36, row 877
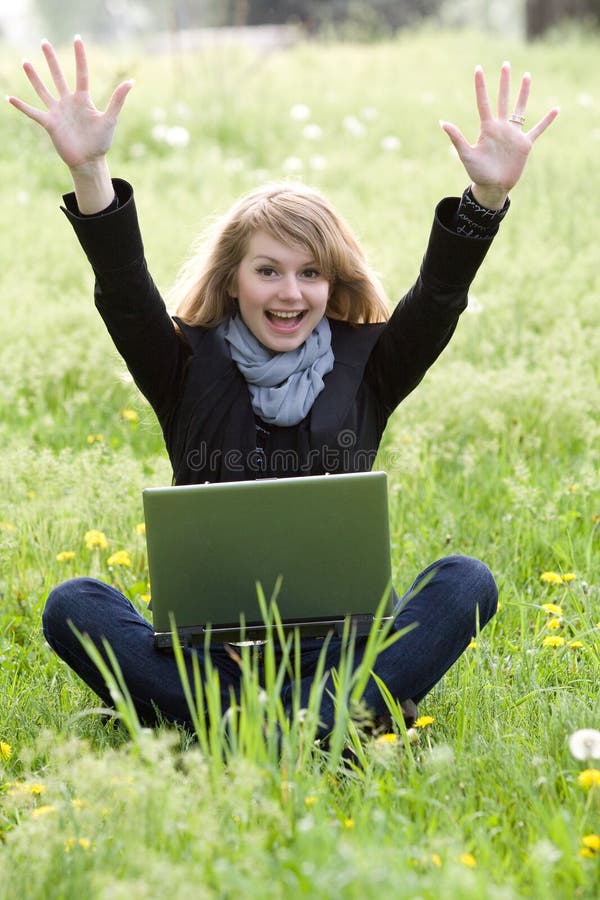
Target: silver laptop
column 320, row 542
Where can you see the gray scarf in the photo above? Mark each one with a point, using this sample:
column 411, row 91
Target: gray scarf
column 283, row 386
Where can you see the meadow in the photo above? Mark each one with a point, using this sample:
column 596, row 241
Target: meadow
column 496, row 454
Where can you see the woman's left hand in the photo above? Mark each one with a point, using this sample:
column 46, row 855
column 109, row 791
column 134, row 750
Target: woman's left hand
column 495, row 163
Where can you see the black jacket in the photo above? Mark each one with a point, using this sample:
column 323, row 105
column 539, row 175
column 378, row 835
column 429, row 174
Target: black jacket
column 201, row 399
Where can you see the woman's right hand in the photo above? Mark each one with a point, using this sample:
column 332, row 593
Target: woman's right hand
column 81, row 134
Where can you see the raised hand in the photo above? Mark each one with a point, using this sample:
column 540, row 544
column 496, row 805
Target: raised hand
column 496, row 161
column 81, row 134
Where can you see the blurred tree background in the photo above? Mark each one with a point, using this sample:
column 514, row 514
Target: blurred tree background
column 353, row 19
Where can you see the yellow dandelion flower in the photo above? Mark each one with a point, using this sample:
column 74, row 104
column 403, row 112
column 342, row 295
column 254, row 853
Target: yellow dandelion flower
column 77, row 803
column 576, row 645
column 389, row 738
column 140, row 528
column 587, row 853
column 120, row 558
column 569, row 576
column 436, row 860
column 554, row 624
column 553, row 609
column 592, row 841
column 310, row 800
column 589, row 778
column 5, row 750
column 551, row 578
column 467, row 859
column 146, row 597
column 7, row 526
column 553, row 641
column 348, row 823
column 43, row 810
column 424, row 721
column 65, row 555
column 129, row 415
column 72, row 842
column 95, row 540
column 95, row 438
column 36, row 789
column 472, row 645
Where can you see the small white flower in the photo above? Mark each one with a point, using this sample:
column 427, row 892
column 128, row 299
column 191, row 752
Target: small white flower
column 159, row 132
column 312, row 132
column 390, row 142
column 585, row 743
column 293, row 164
column 177, row 136
column 22, row 197
column 353, row 126
column 300, row 112
column 545, row 852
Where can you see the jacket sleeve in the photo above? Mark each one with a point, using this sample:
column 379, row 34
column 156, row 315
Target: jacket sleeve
column 128, row 300
column 424, row 320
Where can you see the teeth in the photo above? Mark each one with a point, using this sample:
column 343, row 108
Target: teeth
column 284, row 315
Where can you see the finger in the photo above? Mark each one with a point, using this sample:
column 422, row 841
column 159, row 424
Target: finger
column 37, row 83
column 119, row 95
column 481, row 95
column 55, row 68
column 460, row 142
column 504, row 90
column 534, row 133
column 38, row 115
column 82, row 78
column 522, row 99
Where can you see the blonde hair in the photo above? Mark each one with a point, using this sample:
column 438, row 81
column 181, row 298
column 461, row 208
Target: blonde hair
column 292, row 214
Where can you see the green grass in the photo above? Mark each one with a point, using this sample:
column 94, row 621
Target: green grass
column 496, row 454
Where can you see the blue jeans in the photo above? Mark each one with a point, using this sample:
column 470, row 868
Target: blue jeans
column 447, row 601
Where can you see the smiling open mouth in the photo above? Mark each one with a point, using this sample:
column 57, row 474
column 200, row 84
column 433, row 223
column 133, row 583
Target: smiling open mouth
column 290, row 317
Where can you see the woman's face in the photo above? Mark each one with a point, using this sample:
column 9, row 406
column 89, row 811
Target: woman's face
column 281, row 293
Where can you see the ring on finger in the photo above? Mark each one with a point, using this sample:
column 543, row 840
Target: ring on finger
column 517, row 118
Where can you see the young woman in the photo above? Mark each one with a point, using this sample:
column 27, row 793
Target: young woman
column 283, row 360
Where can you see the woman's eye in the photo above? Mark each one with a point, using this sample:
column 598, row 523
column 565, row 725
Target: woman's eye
column 268, row 271
column 311, row 273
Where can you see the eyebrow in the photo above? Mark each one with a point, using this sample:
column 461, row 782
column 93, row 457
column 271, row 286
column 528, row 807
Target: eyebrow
column 272, row 259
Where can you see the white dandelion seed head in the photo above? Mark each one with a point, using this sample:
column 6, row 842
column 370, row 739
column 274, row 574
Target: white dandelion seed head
column 159, row 132
column 177, row 136
column 390, row 142
column 312, row 132
column 585, row 743
column 545, row 852
column 474, row 305
column 234, row 164
column 369, row 113
column 317, row 162
column 137, row 150
column 300, row 112
column 293, row 164
column 585, row 99
column 353, row 126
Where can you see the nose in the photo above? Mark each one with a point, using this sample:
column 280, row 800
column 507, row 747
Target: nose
column 289, row 289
